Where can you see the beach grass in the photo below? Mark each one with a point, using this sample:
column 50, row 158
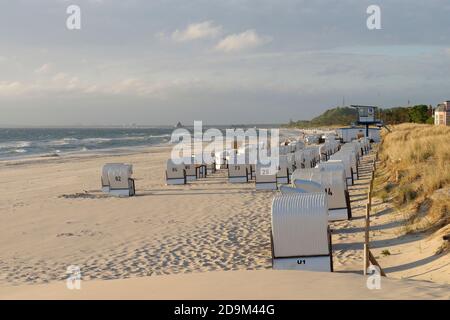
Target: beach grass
column 415, row 174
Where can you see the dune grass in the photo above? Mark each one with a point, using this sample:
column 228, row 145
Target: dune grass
column 415, row 174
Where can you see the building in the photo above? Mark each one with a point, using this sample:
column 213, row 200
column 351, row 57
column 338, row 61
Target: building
column 442, row 114
column 352, row 133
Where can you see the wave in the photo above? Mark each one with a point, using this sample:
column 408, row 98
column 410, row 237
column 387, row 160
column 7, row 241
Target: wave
column 98, row 140
column 15, row 145
column 65, row 141
column 60, row 142
column 161, row 136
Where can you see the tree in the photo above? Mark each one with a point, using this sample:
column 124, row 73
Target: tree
column 419, row 113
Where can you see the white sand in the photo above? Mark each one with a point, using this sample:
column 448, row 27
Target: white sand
column 262, row 284
column 52, row 215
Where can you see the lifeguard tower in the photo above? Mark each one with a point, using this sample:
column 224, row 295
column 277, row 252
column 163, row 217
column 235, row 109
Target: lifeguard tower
column 367, row 117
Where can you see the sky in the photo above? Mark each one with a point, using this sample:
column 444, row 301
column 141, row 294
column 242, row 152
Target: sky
column 223, row 62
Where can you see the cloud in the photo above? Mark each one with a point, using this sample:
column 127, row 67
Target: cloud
column 243, row 41
column 59, row 76
column 197, row 31
column 10, row 88
column 43, row 69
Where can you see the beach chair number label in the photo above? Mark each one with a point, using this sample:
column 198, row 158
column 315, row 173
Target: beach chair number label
column 328, row 191
column 118, row 178
column 301, row 261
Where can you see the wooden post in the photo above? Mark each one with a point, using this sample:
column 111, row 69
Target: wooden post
column 368, row 256
column 366, row 259
column 374, row 261
column 372, row 179
column 366, row 240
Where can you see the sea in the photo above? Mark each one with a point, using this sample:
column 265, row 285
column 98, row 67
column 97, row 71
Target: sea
column 32, row 142
column 28, row 142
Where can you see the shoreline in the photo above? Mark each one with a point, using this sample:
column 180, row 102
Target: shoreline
column 115, row 151
column 71, row 155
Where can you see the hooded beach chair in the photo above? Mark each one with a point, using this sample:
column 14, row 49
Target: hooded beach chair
column 250, row 171
column 238, row 173
column 192, row 171
column 211, row 167
column 104, row 177
column 175, row 173
column 291, row 163
column 353, row 161
column 300, row 237
column 346, row 159
column 292, row 147
column 334, row 165
column 119, row 179
column 200, row 167
column 334, row 185
column 284, row 149
column 265, row 177
column 353, row 149
column 366, row 144
column 307, row 185
column 324, row 151
column 299, row 159
column 283, row 171
column 221, row 160
column 288, row 189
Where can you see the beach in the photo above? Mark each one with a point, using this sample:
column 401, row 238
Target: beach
column 53, row 215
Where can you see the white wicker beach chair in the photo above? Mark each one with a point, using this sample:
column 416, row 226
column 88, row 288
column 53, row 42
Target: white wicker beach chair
column 118, row 177
column 301, row 239
column 265, row 177
column 221, row 160
column 335, row 165
column 104, row 177
column 175, row 173
column 238, row 173
column 334, row 185
column 347, row 160
column 283, row 172
column 288, row 189
column 191, row 172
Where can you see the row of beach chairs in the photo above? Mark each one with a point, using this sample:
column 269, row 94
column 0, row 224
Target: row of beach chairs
column 117, row 178
column 301, row 237
column 294, row 154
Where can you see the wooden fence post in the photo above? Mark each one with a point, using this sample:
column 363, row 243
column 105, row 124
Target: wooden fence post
column 368, row 256
column 366, row 239
column 373, row 261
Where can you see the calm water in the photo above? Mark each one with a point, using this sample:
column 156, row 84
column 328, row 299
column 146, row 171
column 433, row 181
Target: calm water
column 40, row 141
